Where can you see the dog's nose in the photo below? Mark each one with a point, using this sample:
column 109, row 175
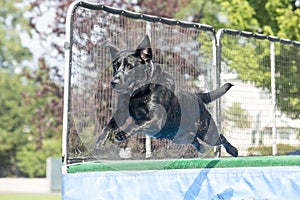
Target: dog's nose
column 113, row 83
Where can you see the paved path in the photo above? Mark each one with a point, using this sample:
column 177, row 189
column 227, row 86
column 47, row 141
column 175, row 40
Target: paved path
column 24, row 185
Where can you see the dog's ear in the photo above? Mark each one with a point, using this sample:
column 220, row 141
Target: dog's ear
column 144, row 51
column 113, row 50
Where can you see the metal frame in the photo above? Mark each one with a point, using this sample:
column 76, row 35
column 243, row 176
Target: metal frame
column 247, row 34
column 272, row 40
column 217, row 51
column 68, row 54
column 66, row 108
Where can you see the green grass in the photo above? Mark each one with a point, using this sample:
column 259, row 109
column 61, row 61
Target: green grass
column 282, row 149
column 29, row 197
column 255, row 161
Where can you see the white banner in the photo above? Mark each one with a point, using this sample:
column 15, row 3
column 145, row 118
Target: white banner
column 187, row 184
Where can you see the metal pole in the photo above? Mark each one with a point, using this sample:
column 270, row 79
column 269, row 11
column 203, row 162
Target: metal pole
column 148, row 139
column 273, row 94
column 68, row 63
column 217, row 48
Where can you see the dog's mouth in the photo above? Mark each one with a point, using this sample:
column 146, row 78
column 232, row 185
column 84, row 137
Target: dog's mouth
column 114, row 83
column 117, row 83
column 118, row 86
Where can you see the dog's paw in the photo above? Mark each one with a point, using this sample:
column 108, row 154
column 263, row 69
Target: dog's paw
column 231, row 150
column 105, row 135
column 234, row 152
column 121, row 136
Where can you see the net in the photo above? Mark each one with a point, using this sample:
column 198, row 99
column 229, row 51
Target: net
column 259, row 115
column 259, row 118
column 184, row 49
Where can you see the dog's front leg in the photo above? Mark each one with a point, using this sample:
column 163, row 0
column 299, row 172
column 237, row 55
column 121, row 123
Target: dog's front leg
column 114, row 123
column 106, row 133
column 119, row 118
column 152, row 125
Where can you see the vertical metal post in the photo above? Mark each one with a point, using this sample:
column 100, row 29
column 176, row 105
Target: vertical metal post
column 217, row 48
column 67, row 82
column 148, row 139
column 214, row 79
column 273, row 94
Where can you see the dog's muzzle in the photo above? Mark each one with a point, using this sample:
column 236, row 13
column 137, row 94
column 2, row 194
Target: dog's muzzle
column 113, row 83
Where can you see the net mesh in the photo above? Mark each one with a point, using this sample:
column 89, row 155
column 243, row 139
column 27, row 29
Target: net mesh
column 186, row 53
column 248, row 114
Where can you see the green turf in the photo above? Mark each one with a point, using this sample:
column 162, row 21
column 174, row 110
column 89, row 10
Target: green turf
column 29, row 197
column 258, row 161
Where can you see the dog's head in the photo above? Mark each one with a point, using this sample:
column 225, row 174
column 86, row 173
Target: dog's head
column 132, row 68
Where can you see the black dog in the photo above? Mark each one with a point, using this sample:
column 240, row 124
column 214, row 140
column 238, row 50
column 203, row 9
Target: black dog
column 147, row 94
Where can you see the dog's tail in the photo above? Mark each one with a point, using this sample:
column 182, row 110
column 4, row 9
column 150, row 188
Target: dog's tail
column 215, row 94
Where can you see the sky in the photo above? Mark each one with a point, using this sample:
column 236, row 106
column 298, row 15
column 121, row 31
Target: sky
column 38, row 47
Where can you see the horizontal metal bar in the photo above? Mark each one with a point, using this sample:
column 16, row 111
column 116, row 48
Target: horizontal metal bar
column 174, row 22
column 260, row 36
column 146, row 17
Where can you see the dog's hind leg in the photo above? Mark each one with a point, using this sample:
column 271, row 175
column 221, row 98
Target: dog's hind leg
column 208, row 132
column 228, row 147
column 199, row 147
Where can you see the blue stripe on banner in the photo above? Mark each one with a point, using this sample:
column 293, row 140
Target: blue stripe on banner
column 212, row 184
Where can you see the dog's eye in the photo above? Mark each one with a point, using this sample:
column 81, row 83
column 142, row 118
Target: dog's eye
column 128, row 65
column 115, row 65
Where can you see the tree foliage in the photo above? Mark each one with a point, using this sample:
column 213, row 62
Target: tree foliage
column 30, row 103
column 14, row 120
column 14, row 113
column 45, row 121
column 238, row 116
column 30, row 121
column 31, row 107
column 270, row 17
column 12, row 24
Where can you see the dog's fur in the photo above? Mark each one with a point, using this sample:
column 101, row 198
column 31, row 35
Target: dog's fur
column 147, row 94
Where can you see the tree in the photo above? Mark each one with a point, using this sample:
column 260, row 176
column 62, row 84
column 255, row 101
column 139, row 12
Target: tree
column 14, row 120
column 238, row 116
column 12, row 25
column 30, row 122
column 200, row 11
column 276, row 18
column 14, row 113
column 45, row 121
column 270, row 17
column 30, row 103
column 266, row 16
column 285, row 19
